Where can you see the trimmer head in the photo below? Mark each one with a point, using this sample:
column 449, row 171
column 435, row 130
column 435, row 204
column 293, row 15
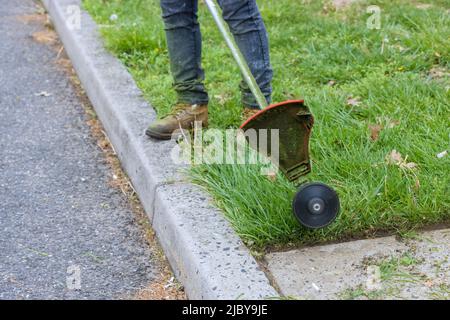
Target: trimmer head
column 294, row 122
column 316, row 205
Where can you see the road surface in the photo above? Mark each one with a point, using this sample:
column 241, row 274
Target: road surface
column 65, row 233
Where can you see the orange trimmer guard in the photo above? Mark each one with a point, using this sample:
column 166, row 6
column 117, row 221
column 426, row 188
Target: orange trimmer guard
column 294, row 122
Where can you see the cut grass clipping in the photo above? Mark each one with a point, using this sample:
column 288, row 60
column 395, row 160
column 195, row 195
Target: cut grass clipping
column 380, row 98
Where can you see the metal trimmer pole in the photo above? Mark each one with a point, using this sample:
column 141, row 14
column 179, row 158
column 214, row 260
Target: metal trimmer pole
column 237, row 54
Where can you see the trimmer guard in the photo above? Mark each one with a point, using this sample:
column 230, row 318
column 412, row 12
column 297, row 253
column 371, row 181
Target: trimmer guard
column 294, row 122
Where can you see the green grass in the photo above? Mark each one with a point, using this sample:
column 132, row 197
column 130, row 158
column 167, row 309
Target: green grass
column 397, row 273
column 387, row 70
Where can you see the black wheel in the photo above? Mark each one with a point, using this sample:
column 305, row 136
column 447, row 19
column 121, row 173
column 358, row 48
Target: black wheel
column 316, row 205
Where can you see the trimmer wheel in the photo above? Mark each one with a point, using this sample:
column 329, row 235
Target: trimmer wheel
column 316, row 205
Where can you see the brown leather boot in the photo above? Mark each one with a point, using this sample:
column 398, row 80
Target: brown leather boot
column 182, row 116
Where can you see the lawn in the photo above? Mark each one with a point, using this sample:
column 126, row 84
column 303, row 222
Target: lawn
column 380, row 99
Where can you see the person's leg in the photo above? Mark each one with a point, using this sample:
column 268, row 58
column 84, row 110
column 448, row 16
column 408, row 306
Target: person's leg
column 247, row 26
column 184, row 44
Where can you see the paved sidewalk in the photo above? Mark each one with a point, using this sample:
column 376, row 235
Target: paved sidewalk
column 57, row 212
column 384, row 268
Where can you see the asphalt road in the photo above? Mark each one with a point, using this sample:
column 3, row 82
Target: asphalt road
column 64, row 232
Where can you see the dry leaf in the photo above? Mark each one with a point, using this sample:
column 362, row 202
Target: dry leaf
column 46, row 36
column 393, row 123
column 394, row 157
column 40, row 18
column 400, row 48
column 289, row 95
column 353, row 101
column 272, row 176
column 429, row 283
column 417, row 185
column 389, row 122
column 328, row 7
column 375, row 130
column 339, row 4
column 438, row 73
column 222, row 98
column 408, row 165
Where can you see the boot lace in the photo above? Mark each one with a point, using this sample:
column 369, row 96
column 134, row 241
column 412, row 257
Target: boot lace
column 179, row 109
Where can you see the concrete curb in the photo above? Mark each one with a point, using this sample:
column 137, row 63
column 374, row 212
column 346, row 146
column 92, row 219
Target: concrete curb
column 206, row 254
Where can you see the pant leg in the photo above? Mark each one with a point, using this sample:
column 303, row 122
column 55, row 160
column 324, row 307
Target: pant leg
column 185, row 49
column 247, row 26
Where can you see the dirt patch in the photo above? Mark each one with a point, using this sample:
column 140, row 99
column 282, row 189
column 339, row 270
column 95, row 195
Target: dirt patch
column 438, row 72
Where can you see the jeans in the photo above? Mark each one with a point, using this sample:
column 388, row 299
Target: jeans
column 184, row 42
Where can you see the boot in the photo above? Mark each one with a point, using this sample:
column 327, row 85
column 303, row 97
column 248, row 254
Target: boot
column 182, row 116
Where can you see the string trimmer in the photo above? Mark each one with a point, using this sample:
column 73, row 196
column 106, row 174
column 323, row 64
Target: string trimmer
column 315, row 204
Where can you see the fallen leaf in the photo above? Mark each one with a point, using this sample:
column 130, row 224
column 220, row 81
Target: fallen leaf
column 328, row 7
column 289, row 95
column 429, row 283
column 400, row 48
column 375, row 130
column 46, row 36
column 417, row 184
column 250, row 243
column 353, row 101
column 408, row 165
column 394, row 157
column 438, row 73
column 41, row 18
column 331, row 83
column 222, row 98
column 389, row 122
column 393, row 123
column 272, row 176
column 339, row 4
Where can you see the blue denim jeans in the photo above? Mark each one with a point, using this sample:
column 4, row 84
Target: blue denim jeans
column 184, row 42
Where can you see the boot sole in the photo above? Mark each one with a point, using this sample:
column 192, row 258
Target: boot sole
column 164, row 136
column 157, row 135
